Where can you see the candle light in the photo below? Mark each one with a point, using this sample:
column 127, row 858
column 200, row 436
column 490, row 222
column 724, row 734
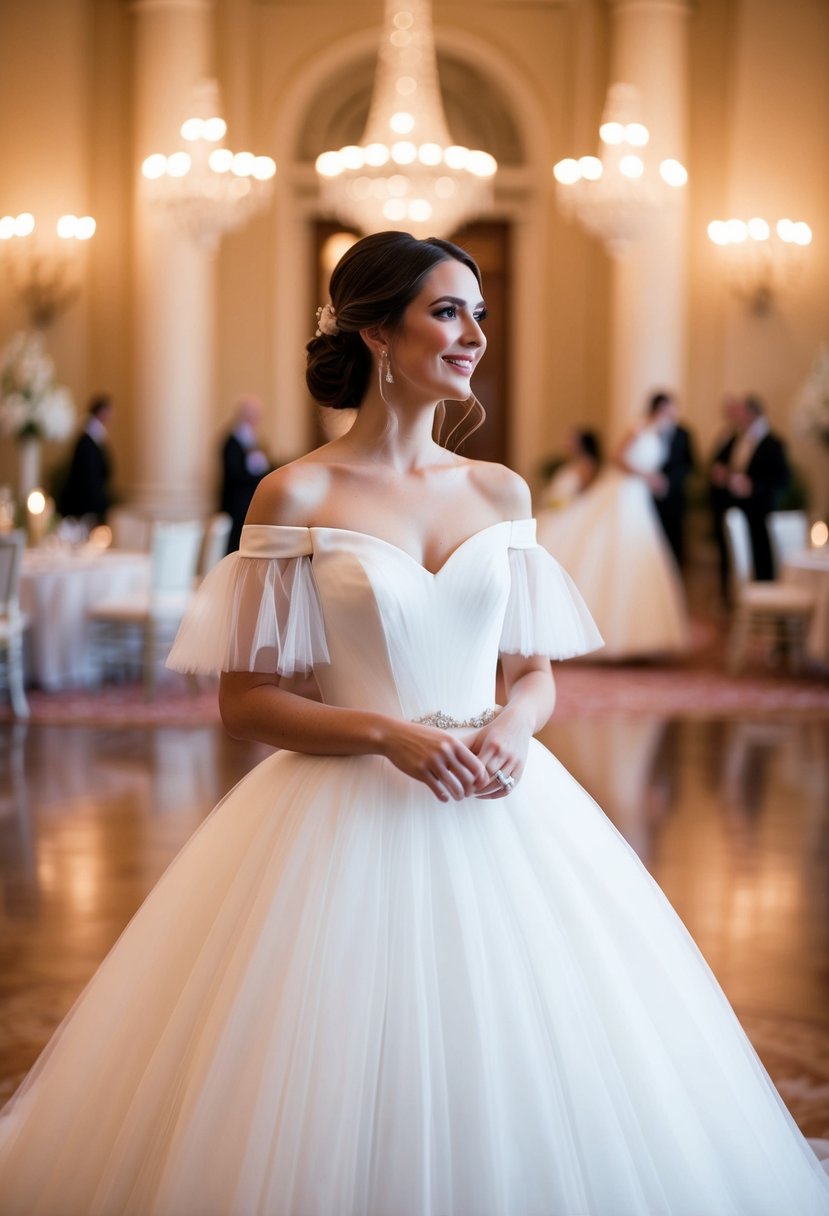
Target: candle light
column 819, row 534
column 38, row 514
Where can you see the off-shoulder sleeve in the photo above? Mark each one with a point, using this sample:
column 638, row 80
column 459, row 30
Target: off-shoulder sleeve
column 545, row 611
column 257, row 610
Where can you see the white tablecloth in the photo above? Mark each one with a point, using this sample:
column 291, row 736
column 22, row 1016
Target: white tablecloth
column 57, row 587
column 810, row 570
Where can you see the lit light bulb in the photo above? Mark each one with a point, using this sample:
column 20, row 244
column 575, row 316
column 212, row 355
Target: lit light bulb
column 192, row 129
column 673, row 172
column 67, row 227
column 611, row 133
column 758, row 229
column 567, row 171
column 352, row 156
column 329, row 164
column 637, row 134
column 590, row 167
column 402, row 122
column 178, row 165
column 420, row 210
column 819, row 534
column 376, row 155
column 154, row 166
column 737, row 231
column 631, row 166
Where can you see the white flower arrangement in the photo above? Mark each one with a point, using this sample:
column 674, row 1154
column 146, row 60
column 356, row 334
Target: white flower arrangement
column 32, row 404
column 812, row 402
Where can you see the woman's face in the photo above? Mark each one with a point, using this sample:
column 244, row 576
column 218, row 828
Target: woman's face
column 437, row 347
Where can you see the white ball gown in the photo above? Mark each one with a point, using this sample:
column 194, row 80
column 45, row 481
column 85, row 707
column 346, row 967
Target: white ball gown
column 345, row 998
column 610, row 540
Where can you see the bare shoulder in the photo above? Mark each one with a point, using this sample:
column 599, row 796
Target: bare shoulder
column 502, row 487
column 290, row 495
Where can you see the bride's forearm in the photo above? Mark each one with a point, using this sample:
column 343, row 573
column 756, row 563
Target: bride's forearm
column 263, row 712
column 531, row 692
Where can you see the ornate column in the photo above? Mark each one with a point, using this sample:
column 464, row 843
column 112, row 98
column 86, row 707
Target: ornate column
column 174, row 295
column 649, row 49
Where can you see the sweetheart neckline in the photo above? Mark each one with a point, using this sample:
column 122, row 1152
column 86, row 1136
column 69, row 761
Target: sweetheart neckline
column 501, row 523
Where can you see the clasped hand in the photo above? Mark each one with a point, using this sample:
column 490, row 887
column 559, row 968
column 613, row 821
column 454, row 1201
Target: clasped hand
column 462, row 764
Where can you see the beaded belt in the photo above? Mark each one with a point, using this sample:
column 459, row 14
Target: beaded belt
column 445, row 722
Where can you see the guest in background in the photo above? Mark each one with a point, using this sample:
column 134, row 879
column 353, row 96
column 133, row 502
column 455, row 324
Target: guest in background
column 610, row 540
column 577, row 471
column 750, row 471
column 244, row 464
column 87, row 491
column 668, row 482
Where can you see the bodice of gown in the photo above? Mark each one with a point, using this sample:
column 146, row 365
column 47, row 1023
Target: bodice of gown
column 403, row 640
column 645, row 453
column 380, row 631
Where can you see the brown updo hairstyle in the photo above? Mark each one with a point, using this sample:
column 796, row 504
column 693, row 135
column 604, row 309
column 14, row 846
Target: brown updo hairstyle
column 372, row 285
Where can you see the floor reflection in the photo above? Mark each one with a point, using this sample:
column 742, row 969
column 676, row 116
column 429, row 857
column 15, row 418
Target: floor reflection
column 732, row 818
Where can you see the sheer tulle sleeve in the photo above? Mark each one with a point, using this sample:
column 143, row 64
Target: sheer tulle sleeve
column 545, row 611
column 257, row 610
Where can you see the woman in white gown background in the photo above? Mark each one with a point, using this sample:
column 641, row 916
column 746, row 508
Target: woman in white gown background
column 609, row 538
column 406, row 967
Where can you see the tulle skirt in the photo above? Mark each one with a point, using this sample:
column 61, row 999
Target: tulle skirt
column 611, row 542
column 347, row 999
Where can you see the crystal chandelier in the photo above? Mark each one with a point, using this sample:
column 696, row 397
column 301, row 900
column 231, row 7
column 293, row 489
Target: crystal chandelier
column 761, row 258
column 619, row 194
column 207, row 189
column 406, row 173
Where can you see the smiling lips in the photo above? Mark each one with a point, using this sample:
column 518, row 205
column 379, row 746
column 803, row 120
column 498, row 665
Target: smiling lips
column 461, row 363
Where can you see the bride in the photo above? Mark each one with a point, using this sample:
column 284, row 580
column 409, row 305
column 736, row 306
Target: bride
column 610, row 539
column 407, row 967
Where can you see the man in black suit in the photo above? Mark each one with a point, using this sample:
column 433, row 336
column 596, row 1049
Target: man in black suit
column 668, row 487
column 750, row 471
column 86, row 492
column 244, row 464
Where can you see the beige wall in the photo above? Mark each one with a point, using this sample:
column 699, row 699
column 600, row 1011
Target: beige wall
column 759, row 117
column 761, row 114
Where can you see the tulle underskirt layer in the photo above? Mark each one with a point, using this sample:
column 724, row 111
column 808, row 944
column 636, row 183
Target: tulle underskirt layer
column 347, row 999
column 611, row 542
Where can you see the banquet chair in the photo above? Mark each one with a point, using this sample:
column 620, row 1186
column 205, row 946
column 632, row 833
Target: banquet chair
column 214, row 546
column 788, row 534
column 152, row 620
column 771, row 608
column 13, row 622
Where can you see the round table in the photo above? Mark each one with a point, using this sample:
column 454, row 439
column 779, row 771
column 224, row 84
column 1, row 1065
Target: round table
column 57, row 589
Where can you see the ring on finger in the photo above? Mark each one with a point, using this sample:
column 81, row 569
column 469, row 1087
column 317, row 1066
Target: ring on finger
column 504, row 781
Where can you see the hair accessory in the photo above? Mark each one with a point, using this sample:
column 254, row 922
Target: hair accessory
column 326, row 320
column 504, row 781
column 388, row 377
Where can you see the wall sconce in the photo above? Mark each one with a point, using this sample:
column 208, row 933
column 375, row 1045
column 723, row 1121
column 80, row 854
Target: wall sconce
column 761, row 259
column 45, row 274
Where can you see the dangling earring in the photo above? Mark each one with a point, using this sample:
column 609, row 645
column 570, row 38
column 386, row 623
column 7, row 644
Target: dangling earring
column 388, row 377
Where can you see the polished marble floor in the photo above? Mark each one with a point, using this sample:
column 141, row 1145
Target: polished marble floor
column 731, row 817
